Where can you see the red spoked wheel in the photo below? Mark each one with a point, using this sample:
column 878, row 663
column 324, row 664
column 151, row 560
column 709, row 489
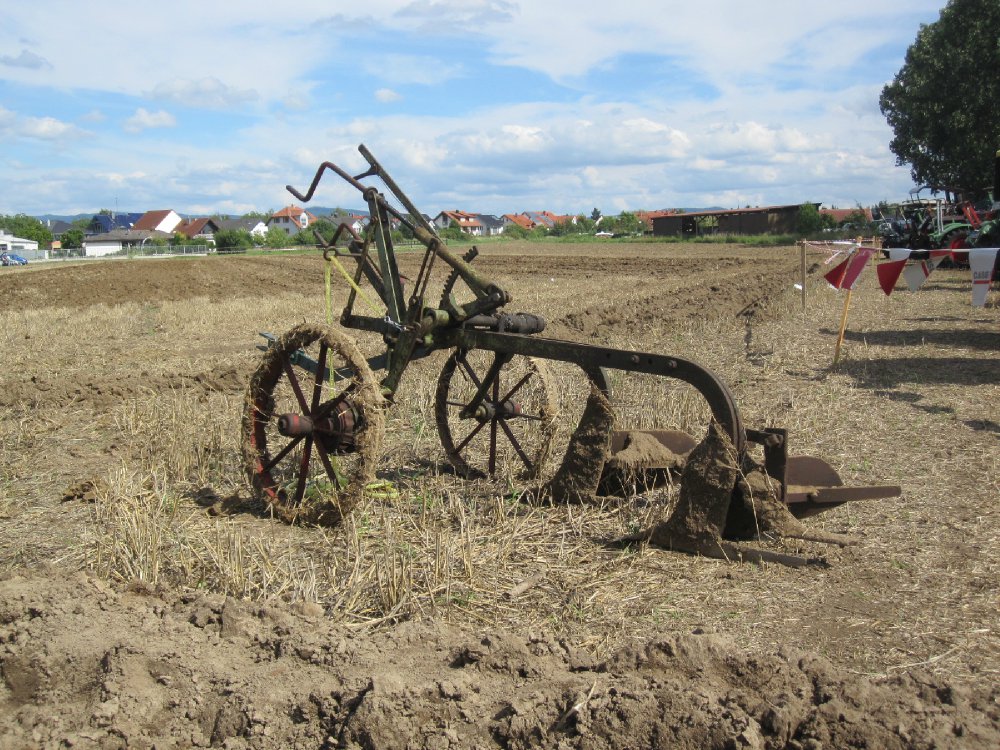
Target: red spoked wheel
column 510, row 432
column 313, row 426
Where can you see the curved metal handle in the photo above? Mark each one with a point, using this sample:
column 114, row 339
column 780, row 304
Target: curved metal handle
column 307, row 196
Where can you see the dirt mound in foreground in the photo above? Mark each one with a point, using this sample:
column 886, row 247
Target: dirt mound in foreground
column 85, row 665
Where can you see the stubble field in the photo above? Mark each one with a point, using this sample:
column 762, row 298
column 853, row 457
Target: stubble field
column 146, row 598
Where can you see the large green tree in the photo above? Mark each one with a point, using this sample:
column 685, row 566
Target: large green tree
column 944, row 103
column 26, row 227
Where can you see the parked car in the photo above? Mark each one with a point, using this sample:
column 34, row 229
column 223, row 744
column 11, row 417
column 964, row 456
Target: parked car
column 10, row 259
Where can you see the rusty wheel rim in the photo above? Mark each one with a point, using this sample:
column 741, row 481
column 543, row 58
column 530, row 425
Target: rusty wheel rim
column 318, row 467
column 513, row 431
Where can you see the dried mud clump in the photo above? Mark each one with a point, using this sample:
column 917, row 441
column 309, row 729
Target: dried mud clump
column 578, row 476
column 758, row 510
column 707, row 482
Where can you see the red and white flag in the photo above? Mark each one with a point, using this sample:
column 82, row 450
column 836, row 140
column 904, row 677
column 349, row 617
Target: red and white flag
column 845, row 275
column 916, row 274
column 888, row 273
column 981, row 261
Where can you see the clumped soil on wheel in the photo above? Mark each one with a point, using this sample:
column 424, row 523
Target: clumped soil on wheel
column 147, row 599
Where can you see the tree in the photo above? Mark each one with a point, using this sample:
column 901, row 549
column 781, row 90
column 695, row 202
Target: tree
column 809, row 220
column 629, row 223
column 232, row 239
column 515, row 232
column 944, row 104
column 453, row 232
column 72, row 238
column 595, row 215
column 858, row 219
column 27, row 227
column 277, row 238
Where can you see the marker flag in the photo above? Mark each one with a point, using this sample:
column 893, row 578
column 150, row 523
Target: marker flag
column 917, row 273
column 888, row 274
column 845, row 275
column 981, row 262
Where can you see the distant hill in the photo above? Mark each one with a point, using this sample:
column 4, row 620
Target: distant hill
column 68, row 218
column 314, row 210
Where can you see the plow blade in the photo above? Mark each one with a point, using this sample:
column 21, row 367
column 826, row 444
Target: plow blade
column 809, row 485
column 813, row 486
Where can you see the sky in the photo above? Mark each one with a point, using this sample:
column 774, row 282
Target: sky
column 488, row 106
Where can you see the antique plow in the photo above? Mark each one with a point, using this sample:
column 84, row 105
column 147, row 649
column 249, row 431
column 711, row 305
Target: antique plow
column 314, row 416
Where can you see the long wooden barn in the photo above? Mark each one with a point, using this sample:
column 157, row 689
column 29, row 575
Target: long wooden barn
column 759, row 220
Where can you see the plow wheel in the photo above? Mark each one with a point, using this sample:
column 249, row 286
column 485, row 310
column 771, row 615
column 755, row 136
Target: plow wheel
column 312, row 426
column 511, row 430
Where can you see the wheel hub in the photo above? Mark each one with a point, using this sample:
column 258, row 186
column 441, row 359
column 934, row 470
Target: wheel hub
column 334, row 425
column 488, row 410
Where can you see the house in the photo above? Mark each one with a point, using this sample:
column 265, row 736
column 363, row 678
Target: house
column 519, row 219
column 256, row 227
column 57, row 227
column 357, row 222
column 17, row 245
column 200, row 229
column 646, row 217
column 547, row 219
column 492, row 225
column 165, row 220
column 843, row 215
column 291, row 220
column 119, row 241
column 106, row 222
column 468, row 223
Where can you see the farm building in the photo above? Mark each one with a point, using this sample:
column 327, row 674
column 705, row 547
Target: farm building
column 120, row 241
column 759, row 220
column 17, row 245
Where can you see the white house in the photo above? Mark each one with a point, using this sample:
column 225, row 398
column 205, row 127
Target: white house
column 17, row 245
column 255, row 227
column 291, row 220
column 119, row 240
column 165, row 220
column 468, row 223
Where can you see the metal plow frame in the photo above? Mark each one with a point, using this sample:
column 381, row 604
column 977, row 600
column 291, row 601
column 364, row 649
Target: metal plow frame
column 412, row 329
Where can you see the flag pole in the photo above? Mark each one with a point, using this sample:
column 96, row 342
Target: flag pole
column 843, row 317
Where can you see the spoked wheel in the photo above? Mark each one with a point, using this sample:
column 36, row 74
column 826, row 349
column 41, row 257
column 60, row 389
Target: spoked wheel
column 510, row 430
column 312, row 426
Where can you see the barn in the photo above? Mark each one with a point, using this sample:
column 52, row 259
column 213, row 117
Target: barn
column 758, row 220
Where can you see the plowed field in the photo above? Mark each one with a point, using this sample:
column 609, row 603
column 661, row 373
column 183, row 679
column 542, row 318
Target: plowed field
column 147, row 599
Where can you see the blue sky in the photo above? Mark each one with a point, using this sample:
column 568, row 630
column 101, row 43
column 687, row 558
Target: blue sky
column 492, row 106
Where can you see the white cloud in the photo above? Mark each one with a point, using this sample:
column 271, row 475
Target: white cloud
column 400, row 69
column 387, row 96
column 790, row 111
column 208, row 92
column 457, row 16
column 48, row 128
column 143, row 119
column 26, row 59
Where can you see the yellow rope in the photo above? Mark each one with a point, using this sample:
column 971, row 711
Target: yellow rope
column 329, row 296
column 362, row 294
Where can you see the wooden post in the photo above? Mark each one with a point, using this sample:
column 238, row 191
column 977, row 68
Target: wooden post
column 802, row 275
column 843, row 317
column 843, row 327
